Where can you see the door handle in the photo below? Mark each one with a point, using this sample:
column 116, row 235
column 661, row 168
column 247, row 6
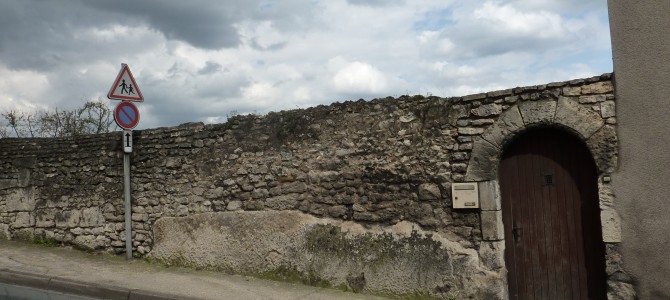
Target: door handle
column 516, row 232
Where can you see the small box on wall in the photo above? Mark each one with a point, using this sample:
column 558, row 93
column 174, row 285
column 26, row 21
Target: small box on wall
column 465, row 195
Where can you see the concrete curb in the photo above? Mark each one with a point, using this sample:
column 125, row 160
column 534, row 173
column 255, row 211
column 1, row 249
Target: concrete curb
column 64, row 285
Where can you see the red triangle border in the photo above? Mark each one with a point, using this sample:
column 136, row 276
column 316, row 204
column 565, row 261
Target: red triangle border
column 138, row 98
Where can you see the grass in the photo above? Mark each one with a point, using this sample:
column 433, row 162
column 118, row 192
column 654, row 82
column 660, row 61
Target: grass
column 46, row 242
column 290, row 274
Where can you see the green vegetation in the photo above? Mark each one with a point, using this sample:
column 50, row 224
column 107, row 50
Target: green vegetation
column 290, row 125
column 434, row 114
column 291, row 274
column 46, row 242
column 375, row 248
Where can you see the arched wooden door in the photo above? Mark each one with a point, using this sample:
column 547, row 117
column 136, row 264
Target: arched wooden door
column 554, row 247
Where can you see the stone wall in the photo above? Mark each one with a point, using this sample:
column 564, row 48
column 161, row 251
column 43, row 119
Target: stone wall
column 350, row 172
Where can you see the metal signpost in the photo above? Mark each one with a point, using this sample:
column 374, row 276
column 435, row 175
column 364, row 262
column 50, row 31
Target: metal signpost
column 126, row 116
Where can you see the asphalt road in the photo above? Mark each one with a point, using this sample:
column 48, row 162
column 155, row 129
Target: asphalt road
column 18, row 292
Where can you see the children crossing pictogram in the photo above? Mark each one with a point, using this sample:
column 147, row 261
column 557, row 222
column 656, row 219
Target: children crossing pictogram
column 125, row 87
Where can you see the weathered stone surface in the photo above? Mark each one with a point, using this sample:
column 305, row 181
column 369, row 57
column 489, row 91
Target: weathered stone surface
column 474, row 97
column 283, row 202
column 487, row 110
column 542, row 111
column 331, row 250
column 8, row 183
column 481, row 122
column 23, row 219
column 513, row 119
column 611, row 224
column 89, row 242
column 603, row 146
column 489, row 195
column 511, row 99
column 607, row 109
column 337, row 211
column 598, row 88
column 592, row 99
column 470, row 130
column 429, row 191
column 45, row 217
column 510, row 121
column 572, row 91
column 492, row 254
column 4, row 232
column 499, row 93
column 91, row 216
column 581, row 119
column 620, row 291
column 22, row 199
column 492, row 226
column 325, row 176
column 605, row 194
column 68, row 219
column 613, row 259
column 457, row 112
column 483, row 164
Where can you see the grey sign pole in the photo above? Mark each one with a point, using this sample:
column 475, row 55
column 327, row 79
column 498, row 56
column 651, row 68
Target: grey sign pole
column 128, row 210
column 126, row 116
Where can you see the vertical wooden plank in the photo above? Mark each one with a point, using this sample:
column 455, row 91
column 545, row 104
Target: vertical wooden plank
column 523, row 262
column 577, row 202
column 508, row 188
column 552, row 224
column 539, row 214
column 574, row 200
column 527, row 223
column 562, row 248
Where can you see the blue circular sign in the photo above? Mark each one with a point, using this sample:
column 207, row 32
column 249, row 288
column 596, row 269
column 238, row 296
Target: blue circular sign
column 126, row 115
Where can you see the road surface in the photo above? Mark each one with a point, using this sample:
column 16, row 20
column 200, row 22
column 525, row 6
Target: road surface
column 17, row 292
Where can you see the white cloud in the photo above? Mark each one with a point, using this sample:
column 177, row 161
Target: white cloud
column 542, row 24
column 23, row 90
column 359, row 77
column 441, row 45
column 199, row 61
column 261, row 35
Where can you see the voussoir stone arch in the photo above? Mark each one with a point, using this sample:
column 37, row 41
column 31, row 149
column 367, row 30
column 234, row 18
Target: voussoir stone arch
column 564, row 112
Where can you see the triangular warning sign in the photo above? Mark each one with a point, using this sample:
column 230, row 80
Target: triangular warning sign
column 125, row 87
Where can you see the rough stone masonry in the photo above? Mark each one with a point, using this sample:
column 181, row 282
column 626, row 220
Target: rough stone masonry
column 353, row 195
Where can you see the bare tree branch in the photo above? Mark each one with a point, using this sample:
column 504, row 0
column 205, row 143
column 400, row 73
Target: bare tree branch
column 92, row 117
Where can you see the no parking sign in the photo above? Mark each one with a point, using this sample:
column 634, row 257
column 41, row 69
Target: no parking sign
column 126, row 115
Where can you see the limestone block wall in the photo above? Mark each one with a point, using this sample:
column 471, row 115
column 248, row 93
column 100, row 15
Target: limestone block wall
column 353, row 172
column 61, row 189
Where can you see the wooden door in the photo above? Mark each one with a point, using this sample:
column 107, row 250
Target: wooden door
column 553, row 236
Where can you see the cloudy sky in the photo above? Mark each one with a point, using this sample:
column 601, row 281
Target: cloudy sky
column 201, row 60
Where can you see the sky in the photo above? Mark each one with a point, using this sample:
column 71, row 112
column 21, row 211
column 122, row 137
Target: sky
column 205, row 60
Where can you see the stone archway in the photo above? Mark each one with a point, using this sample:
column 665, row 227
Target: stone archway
column 566, row 113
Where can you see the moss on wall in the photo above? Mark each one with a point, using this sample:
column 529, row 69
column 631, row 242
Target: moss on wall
column 374, row 249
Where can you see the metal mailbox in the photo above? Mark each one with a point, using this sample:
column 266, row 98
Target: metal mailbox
column 465, row 195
